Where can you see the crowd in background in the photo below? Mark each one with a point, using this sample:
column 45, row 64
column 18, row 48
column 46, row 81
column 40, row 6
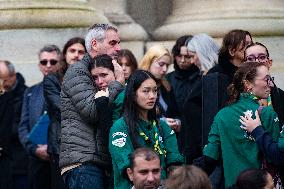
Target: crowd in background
column 102, row 119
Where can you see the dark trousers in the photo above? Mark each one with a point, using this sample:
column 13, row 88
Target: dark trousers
column 20, row 181
column 39, row 172
column 56, row 178
column 217, row 178
column 5, row 172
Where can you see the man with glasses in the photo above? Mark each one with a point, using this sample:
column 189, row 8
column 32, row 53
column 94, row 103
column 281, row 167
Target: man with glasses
column 33, row 108
column 84, row 157
column 257, row 52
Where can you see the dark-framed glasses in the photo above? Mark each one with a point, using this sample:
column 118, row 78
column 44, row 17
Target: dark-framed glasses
column 268, row 79
column 260, row 58
column 52, row 62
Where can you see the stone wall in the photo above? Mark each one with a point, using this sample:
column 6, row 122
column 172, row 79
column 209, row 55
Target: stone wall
column 27, row 25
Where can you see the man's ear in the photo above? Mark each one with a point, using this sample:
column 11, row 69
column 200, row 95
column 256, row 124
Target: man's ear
column 94, row 43
column 232, row 52
column 130, row 174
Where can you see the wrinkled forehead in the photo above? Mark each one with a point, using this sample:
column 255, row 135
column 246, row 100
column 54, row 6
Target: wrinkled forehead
column 4, row 72
column 49, row 55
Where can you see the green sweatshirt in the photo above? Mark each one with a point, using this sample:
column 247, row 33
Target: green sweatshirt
column 229, row 142
column 121, row 147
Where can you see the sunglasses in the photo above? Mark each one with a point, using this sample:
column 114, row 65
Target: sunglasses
column 52, row 62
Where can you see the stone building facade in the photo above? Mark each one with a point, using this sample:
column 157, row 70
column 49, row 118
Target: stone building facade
column 27, row 25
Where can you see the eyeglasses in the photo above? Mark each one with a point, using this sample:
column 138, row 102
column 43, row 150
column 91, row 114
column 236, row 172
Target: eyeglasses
column 268, row 79
column 52, row 62
column 187, row 58
column 260, row 58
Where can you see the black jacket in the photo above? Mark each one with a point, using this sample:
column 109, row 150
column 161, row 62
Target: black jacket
column 202, row 104
column 277, row 98
column 182, row 82
column 51, row 91
column 169, row 98
column 214, row 93
column 10, row 115
column 190, row 134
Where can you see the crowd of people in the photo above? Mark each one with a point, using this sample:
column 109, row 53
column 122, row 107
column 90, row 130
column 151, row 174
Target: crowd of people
column 101, row 119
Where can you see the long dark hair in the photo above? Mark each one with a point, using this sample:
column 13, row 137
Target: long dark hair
column 131, row 114
column 103, row 60
column 176, row 48
column 71, row 42
column 64, row 65
column 247, row 71
column 231, row 41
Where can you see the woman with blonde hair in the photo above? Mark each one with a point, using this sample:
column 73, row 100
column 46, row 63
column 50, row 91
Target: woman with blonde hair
column 157, row 60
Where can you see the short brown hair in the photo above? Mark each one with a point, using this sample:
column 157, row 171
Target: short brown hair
column 147, row 153
column 188, row 177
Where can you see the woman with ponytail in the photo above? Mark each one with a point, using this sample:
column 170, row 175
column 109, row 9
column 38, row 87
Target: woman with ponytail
column 227, row 140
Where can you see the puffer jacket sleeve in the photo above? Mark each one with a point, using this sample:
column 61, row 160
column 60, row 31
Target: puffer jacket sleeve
column 78, row 87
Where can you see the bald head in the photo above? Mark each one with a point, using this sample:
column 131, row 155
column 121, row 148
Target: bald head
column 7, row 75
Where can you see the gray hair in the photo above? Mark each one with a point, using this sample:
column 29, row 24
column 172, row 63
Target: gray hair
column 97, row 32
column 206, row 49
column 10, row 67
column 50, row 48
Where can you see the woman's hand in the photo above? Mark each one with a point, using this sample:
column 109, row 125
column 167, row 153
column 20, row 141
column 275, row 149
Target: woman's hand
column 173, row 123
column 118, row 72
column 102, row 93
column 250, row 124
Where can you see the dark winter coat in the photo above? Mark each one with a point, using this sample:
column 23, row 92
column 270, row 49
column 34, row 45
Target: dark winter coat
column 182, row 82
column 51, row 90
column 277, row 98
column 202, row 104
column 10, row 115
column 32, row 109
column 172, row 109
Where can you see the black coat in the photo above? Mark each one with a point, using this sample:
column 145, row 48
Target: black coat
column 169, row 98
column 10, row 115
column 277, row 98
column 51, row 91
column 190, row 133
column 208, row 97
column 182, row 82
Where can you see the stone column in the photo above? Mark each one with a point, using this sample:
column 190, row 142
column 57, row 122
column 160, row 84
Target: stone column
column 260, row 17
column 131, row 34
column 47, row 14
column 263, row 18
column 28, row 25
